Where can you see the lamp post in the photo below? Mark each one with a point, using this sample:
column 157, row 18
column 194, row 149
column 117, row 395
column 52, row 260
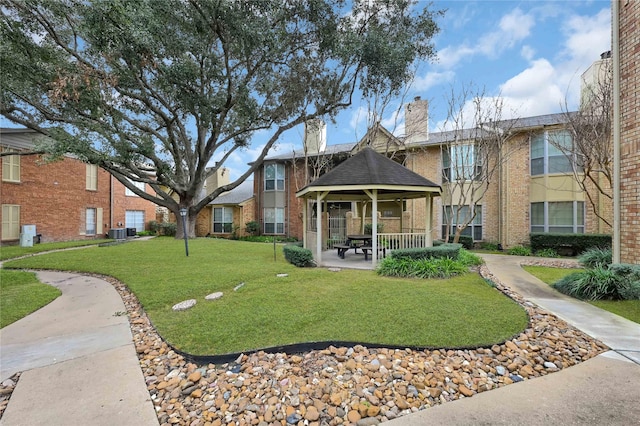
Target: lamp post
column 183, row 213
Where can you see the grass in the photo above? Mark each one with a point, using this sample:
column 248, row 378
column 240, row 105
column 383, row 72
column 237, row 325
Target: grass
column 22, row 294
column 629, row 309
column 310, row 304
column 9, row 252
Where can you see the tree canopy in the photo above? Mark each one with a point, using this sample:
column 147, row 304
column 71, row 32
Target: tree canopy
column 152, row 90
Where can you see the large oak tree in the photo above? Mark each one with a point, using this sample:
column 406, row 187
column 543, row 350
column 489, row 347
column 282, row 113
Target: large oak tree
column 153, row 90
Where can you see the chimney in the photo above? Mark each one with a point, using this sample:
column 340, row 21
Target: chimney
column 416, row 119
column 218, row 179
column 595, row 79
column 315, row 136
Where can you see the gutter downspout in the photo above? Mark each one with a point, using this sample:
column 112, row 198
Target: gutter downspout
column 110, row 201
column 616, row 130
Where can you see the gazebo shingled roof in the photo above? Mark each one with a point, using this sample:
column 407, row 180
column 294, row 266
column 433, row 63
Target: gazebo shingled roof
column 368, row 176
column 366, row 169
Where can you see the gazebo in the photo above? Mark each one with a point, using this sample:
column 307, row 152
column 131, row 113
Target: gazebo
column 367, row 176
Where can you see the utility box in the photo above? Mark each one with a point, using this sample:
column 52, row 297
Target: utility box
column 27, row 235
column 117, row 233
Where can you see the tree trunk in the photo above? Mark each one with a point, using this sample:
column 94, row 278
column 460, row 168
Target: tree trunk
column 190, row 225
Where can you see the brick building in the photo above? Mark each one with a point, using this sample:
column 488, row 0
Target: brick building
column 533, row 191
column 66, row 199
column 626, row 27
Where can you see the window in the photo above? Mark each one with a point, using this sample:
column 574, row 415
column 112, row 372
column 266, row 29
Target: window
column 461, row 162
column 92, row 177
column 11, row 168
column 10, row 222
column 222, row 219
column 548, row 153
column 274, row 177
column 134, row 219
column 90, row 220
column 274, row 221
column 460, row 215
column 561, row 217
column 130, row 193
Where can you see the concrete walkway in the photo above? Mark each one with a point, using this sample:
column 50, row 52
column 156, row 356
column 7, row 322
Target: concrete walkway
column 78, row 360
column 80, row 367
column 604, row 390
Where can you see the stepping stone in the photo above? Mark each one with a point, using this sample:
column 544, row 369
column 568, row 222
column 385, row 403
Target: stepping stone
column 183, row 306
column 214, row 296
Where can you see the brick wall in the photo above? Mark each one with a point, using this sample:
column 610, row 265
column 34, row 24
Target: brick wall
column 630, row 131
column 53, row 196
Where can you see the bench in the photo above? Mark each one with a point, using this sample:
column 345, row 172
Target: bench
column 342, row 249
column 367, row 249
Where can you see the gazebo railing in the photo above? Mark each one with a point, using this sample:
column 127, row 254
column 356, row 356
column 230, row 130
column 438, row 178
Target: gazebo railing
column 395, row 241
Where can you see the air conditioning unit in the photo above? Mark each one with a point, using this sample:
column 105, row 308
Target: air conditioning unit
column 131, row 232
column 118, row 233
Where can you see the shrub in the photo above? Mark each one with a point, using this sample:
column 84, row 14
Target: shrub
column 519, row 251
column 298, row 256
column 595, row 257
column 252, row 228
column 489, row 246
column 467, row 242
column 145, row 233
column 444, row 250
column 442, row 267
column 469, row 259
column 547, row 252
column 368, row 228
column 168, row 229
column 593, row 284
column 574, row 243
column 154, row 226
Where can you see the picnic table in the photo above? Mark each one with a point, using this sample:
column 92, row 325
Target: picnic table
column 355, row 242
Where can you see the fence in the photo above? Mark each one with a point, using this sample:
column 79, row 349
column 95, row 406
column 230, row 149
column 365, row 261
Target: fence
column 395, row 241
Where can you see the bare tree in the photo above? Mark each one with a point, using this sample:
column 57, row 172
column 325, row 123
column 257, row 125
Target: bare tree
column 591, row 148
column 474, row 149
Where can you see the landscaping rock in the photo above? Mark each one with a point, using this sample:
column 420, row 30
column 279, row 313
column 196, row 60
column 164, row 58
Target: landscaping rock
column 355, row 385
column 214, row 296
column 183, row 306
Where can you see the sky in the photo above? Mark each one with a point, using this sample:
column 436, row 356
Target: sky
column 531, row 53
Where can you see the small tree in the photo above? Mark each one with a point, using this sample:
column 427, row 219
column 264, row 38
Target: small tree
column 473, row 153
column 591, row 129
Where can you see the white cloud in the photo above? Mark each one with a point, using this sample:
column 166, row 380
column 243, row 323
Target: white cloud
column 515, row 26
column 527, row 52
column 431, row 79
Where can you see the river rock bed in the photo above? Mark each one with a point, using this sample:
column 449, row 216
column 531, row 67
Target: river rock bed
column 339, row 385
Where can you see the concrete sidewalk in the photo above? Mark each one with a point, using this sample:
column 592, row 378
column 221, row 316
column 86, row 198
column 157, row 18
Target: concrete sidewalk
column 78, row 360
column 604, row 390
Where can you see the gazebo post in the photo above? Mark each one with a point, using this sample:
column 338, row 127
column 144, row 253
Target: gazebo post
column 319, row 228
column 428, row 219
column 374, row 228
column 305, row 211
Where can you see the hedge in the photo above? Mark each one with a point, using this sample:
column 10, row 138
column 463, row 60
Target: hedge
column 577, row 243
column 298, row 256
column 449, row 250
column 466, row 241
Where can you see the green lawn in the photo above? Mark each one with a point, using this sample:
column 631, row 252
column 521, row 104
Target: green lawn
column 9, row 252
column 22, row 294
column 311, row 304
column 629, row 309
